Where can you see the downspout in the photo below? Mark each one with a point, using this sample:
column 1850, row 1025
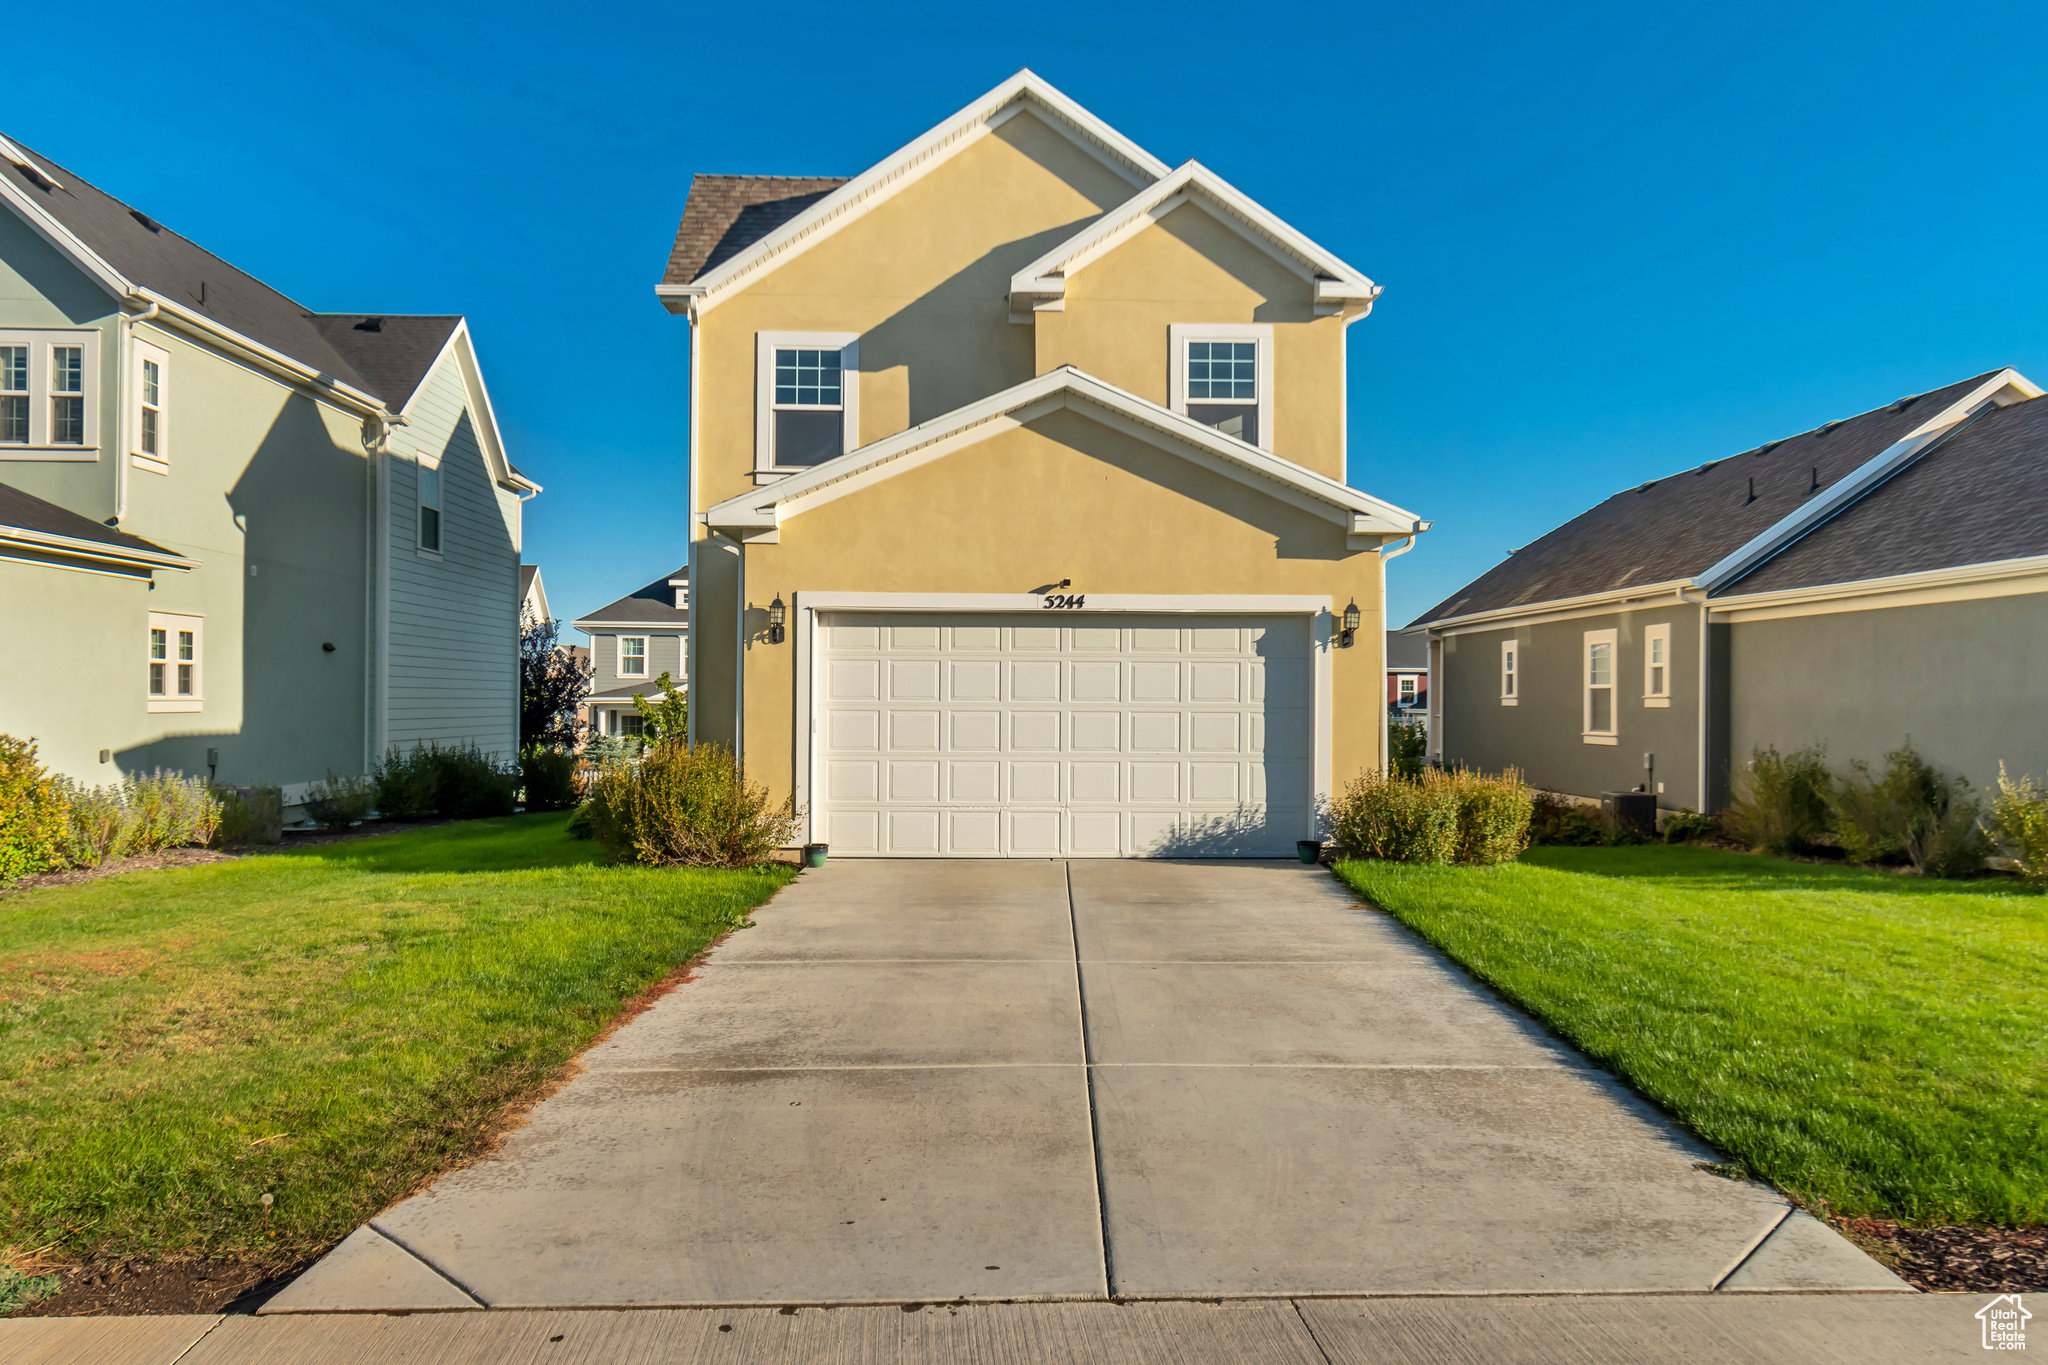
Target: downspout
column 1701, row 603
column 690, row 539
column 1386, row 753
column 124, row 354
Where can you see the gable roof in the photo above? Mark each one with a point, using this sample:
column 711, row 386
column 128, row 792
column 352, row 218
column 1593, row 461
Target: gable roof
column 1406, row 653
column 757, row 514
column 848, row 200
column 1041, row 286
column 31, row 523
column 725, row 214
column 131, row 254
column 1701, row 524
column 652, row 605
column 1978, row 497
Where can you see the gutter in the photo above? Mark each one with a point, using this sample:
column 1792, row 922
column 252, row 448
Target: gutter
column 1386, row 553
column 95, row 549
column 342, row 394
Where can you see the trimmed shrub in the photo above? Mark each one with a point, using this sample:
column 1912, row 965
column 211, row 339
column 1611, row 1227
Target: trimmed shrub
column 34, row 815
column 169, row 810
column 1439, row 817
column 1561, row 822
column 683, row 808
column 2019, row 824
column 1407, row 747
column 1688, row 825
column 339, row 801
column 550, row 778
column 405, row 783
column 250, row 815
column 1914, row 812
column 457, row 783
column 1781, row 801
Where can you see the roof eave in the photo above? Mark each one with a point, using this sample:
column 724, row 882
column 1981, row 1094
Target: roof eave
column 95, row 549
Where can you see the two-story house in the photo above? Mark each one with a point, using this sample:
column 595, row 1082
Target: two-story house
column 237, row 537
column 633, row 641
column 1019, row 521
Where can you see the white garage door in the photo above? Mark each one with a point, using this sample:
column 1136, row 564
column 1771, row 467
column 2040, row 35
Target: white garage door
column 1102, row 735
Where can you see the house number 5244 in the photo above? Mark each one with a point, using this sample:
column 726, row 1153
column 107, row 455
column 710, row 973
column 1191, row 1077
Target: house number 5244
column 1062, row 601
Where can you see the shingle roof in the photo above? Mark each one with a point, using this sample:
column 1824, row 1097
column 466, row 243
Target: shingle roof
column 1976, row 498
column 1678, row 526
column 653, row 605
column 25, row 511
column 1407, row 651
column 726, row 214
column 151, row 255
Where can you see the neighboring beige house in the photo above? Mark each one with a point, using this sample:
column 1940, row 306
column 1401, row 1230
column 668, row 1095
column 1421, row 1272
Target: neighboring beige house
column 1018, row 506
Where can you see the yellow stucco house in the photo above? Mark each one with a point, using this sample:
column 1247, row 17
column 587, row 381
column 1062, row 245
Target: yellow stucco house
column 1019, row 522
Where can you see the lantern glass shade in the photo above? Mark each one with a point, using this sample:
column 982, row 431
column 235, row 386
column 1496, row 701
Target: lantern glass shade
column 1351, row 617
column 775, row 612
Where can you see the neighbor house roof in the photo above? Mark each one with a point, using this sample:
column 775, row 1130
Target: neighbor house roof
column 1976, row 498
column 1677, row 528
column 725, row 214
column 387, row 363
column 28, row 522
column 653, row 605
column 1407, row 652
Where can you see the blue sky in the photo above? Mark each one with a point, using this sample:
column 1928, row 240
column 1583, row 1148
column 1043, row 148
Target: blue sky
column 1616, row 240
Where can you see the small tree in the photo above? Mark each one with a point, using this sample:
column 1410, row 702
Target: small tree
column 667, row 720
column 552, row 684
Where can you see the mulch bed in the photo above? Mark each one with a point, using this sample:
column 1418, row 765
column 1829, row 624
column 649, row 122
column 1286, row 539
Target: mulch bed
column 164, row 1287
column 1956, row 1260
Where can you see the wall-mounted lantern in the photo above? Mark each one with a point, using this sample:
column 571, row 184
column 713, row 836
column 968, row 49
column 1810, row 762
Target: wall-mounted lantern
column 776, row 612
column 1350, row 635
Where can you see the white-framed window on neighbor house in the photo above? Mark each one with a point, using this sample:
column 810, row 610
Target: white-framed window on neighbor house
column 1657, row 666
column 49, row 400
column 1600, row 720
column 1510, row 672
column 176, row 661
column 1222, row 376
column 1405, row 690
column 807, row 398
column 430, row 508
column 632, row 656
column 152, row 381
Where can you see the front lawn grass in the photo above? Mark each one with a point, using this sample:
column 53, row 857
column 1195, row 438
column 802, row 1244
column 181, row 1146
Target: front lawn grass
column 1867, row 1041
column 331, row 1026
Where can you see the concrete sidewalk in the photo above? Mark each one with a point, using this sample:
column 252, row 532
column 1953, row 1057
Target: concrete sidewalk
column 1779, row 1329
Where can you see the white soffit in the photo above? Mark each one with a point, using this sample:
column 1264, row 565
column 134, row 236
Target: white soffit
column 1043, row 283
column 758, row 514
column 1025, row 90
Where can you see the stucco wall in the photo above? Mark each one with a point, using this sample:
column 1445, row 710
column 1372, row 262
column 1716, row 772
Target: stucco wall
column 1962, row 680
column 40, row 288
column 1543, row 733
column 74, row 676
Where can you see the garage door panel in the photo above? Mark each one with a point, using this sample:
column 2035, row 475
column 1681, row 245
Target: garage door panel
column 1155, row 732
column 1035, row 681
column 917, row 782
column 978, row 680
column 853, row 636
column 1095, row 682
column 1155, row 781
column 850, row 780
column 914, row 680
column 913, row 831
column 907, row 638
column 1210, row 783
column 1096, row 831
column 1041, row 639
column 1155, row 682
column 1095, row 731
column 1150, row 829
column 1215, row 682
column 1035, row 731
column 854, row 831
column 977, row 637
column 1215, row 640
column 854, row 680
column 854, row 731
column 1096, row 639
column 1216, row 732
column 912, row 730
column 1153, row 638
column 1095, row 782
column 1034, row 783
column 976, row 730
column 974, row 832
column 1034, row 832
column 975, row 782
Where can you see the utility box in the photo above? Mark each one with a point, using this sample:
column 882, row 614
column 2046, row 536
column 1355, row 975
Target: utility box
column 1629, row 810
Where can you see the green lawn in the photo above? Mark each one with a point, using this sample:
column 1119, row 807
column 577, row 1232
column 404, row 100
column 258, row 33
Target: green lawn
column 1873, row 1042
column 332, row 1026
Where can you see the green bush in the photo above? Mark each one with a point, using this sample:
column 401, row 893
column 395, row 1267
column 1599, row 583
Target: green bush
column 1559, row 820
column 667, row 720
column 140, row 814
column 549, row 776
column 689, row 808
column 34, row 816
column 1781, row 801
column 1914, row 812
column 2019, row 824
column 406, row 783
column 1407, row 747
column 98, row 825
column 250, row 815
column 1439, row 817
column 339, row 801
column 1687, row 826
column 459, row 782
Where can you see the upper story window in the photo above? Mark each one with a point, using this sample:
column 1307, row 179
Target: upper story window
column 1657, row 665
column 1510, row 672
column 175, row 661
column 807, row 399
column 47, row 393
column 430, row 509
column 1223, row 377
column 1599, row 714
column 632, row 656
column 152, row 387
column 1405, row 690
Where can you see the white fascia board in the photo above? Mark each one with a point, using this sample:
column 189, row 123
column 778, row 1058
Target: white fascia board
column 171, row 313
column 1558, row 608
column 462, row 348
column 764, row 509
column 1960, row 575
column 93, row 549
column 2008, row 384
column 46, row 226
column 1045, row 280
column 882, row 180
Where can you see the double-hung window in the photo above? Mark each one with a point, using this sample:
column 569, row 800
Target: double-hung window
column 1510, row 673
column 430, row 509
column 808, row 399
column 48, row 394
column 1222, row 376
column 632, row 656
column 1404, row 690
column 1600, row 726
column 1657, row 666
column 175, row 662
column 152, row 390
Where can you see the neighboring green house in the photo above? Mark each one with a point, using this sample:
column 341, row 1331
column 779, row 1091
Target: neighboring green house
column 236, row 536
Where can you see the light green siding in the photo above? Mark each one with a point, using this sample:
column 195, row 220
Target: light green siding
column 74, row 673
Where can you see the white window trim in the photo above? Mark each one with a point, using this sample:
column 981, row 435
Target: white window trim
column 765, row 345
column 159, row 460
column 1510, row 672
column 1612, row 639
column 39, row 341
column 1179, row 334
column 1651, row 696
column 620, row 656
column 171, row 623
column 419, row 523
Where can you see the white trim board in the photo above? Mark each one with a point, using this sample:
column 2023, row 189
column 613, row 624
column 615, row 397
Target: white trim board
column 1965, row 583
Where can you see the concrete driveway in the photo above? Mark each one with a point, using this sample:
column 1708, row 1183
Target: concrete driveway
column 927, row 1081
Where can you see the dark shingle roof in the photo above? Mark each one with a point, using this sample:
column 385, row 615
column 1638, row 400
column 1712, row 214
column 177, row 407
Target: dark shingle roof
column 156, row 258
column 1978, row 497
column 726, row 214
column 1681, row 525
column 1407, row 651
column 653, row 605
column 25, row 511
